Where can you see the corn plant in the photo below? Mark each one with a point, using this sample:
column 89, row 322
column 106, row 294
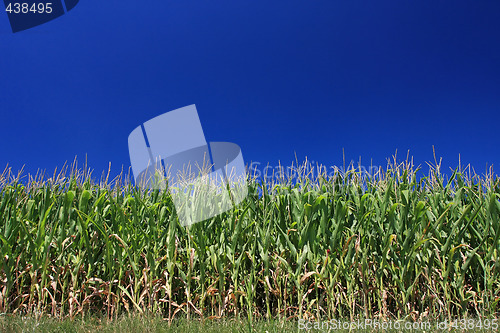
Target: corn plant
column 396, row 244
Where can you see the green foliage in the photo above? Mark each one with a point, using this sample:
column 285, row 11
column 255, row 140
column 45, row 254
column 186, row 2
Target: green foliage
column 341, row 246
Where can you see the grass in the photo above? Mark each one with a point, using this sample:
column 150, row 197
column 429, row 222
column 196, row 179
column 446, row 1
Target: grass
column 315, row 246
column 138, row 324
column 150, row 324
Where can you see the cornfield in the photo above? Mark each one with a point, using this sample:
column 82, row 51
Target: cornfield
column 343, row 245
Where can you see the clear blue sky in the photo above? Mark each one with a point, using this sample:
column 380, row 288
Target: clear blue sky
column 276, row 77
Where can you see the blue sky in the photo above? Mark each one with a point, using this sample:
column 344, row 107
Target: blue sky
column 278, row 78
